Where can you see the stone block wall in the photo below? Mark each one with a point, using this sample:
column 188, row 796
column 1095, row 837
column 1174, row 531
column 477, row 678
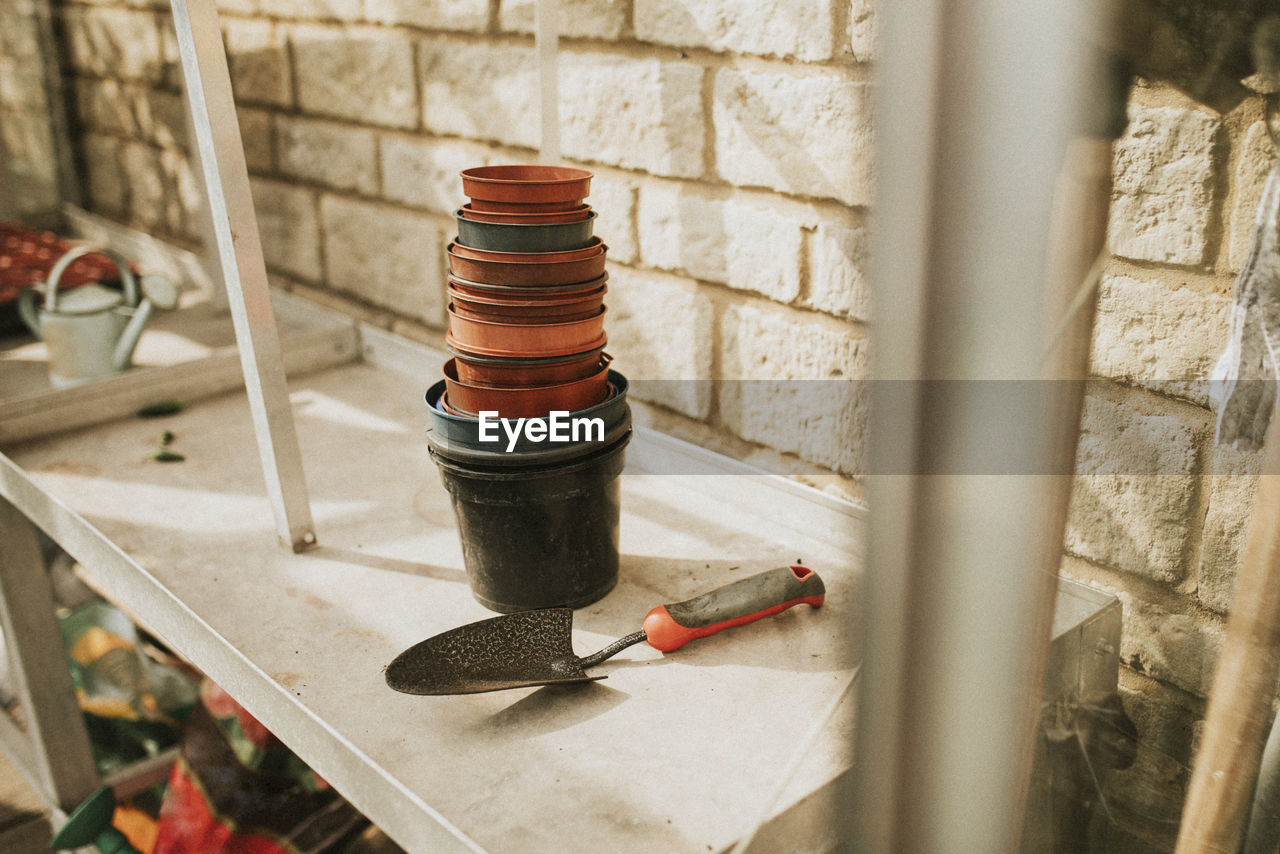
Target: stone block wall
column 29, row 180
column 730, row 143
column 1159, row 512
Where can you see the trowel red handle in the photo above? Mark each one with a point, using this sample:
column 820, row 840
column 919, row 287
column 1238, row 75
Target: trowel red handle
column 669, row 627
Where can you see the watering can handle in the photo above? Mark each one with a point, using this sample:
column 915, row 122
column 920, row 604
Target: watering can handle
column 131, row 294
column 669, row 627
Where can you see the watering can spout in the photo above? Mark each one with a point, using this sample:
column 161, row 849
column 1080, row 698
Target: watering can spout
column 122, row 356
column 157, row 292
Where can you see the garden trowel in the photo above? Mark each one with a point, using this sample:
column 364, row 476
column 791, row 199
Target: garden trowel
column 536, row 647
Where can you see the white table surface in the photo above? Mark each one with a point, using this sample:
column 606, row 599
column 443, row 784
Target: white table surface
column 672, row 753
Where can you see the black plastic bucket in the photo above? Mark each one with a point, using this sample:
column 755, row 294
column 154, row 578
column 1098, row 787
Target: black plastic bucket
column 540, row 536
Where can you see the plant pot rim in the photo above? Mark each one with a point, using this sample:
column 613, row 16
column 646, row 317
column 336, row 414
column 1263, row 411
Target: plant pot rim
column 592, row 250
column 530, row 183
column 538, row 302
column 466, row 355
column 520, row 372
column 451, row 373
column 492, row 206
column 479, row 313
column 601, row 313
column 455, row 437
column 494, row 352
column 619, row 386
column 526, row 218
column 526, row 226
column 525, row 173
column 514, row 290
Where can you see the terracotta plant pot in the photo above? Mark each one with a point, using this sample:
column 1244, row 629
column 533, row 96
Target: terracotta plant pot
column 525, row 340
column 526, row 183
column 522, row 207
column 589, row 251
column 511, row 273
column 527, row 401
column 526, row 218
column 484, row 371
column 507, row 293
column 525, row 237
column 574, row 306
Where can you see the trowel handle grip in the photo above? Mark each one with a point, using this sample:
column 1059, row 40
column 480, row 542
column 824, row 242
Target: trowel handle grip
column 669, row 627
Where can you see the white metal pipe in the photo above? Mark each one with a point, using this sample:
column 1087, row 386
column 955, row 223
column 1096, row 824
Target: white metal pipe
column 226, row 182
column 547, row 35
column 54, row 726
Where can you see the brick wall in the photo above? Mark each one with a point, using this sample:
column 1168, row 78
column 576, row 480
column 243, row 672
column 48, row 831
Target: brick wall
column 1159, row 513
column 730, row 142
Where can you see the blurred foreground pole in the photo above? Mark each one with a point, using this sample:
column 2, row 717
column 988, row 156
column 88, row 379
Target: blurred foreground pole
column 971, row 450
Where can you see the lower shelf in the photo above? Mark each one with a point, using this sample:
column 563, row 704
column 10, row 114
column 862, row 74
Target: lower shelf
column 186, row 354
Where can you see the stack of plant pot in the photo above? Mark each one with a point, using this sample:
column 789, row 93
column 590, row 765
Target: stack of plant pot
column 529, row 424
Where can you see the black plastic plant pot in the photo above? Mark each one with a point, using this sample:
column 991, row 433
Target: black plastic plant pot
column 504, row 237
column 458, row 438
column 541, row 537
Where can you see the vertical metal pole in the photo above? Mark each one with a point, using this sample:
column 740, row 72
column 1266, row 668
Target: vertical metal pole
column 547, row 27
column 906, row 124
column 971, row 133
column 226, row 181
column 209, row 260
column 54, row 724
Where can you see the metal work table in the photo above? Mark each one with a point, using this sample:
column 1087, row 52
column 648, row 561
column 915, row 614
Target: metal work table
column 670, row 753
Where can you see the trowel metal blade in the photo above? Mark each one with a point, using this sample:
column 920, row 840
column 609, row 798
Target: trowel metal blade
column 512, row 651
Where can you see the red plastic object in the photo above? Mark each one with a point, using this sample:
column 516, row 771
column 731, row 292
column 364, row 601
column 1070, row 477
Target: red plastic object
column 526, row 183
column 664, row 633
column 526, row 401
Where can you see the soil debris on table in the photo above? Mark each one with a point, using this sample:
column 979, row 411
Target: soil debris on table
column 161, row 408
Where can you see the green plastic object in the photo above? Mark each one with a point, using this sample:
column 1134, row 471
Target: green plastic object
column 90, row 824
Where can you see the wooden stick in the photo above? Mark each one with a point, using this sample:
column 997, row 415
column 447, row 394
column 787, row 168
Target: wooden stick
column 1226, row 767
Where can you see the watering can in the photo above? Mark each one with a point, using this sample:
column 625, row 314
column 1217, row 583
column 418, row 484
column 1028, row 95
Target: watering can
column 92, row 331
